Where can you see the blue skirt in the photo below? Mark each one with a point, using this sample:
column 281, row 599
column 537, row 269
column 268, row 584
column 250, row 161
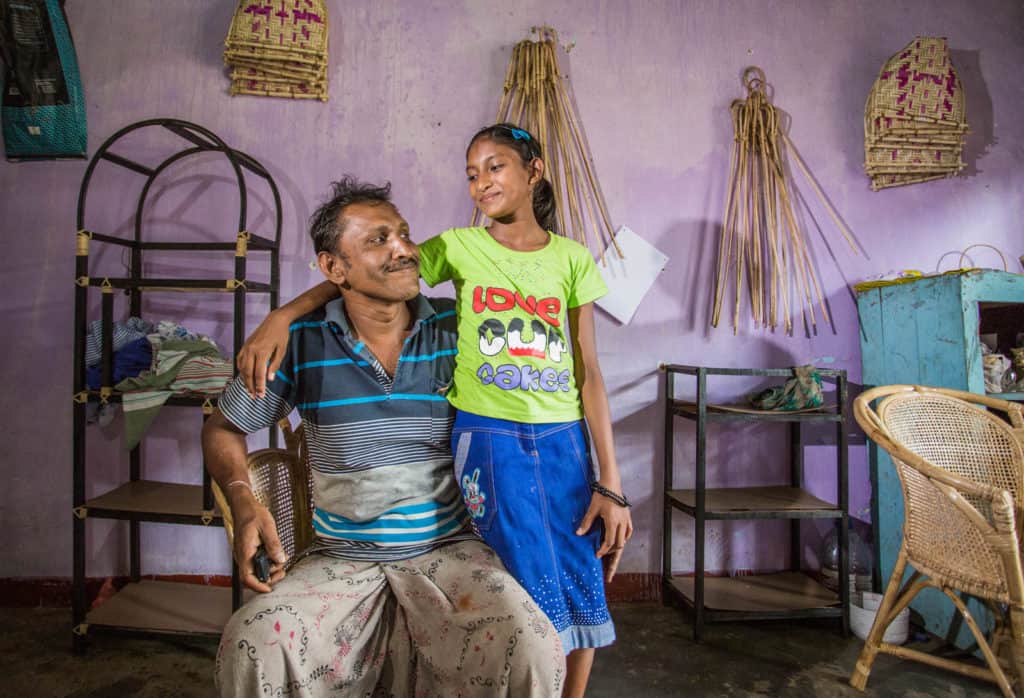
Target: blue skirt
column 527, row 488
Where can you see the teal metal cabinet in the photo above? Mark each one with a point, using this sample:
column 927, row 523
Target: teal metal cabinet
column 926, row 332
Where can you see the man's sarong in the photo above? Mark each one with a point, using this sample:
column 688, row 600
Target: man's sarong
column 449, row 623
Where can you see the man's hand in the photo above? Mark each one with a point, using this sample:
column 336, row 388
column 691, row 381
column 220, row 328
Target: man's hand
column 263, row 351
column 254, row 525
column 618, row 528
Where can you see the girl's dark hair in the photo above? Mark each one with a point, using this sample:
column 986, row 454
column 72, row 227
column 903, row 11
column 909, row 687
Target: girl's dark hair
column 528, row 147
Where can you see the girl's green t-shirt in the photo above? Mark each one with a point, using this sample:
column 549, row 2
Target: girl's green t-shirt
column 515, row 358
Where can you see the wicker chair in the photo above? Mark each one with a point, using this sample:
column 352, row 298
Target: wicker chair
column 281, row 482
column 961, row 471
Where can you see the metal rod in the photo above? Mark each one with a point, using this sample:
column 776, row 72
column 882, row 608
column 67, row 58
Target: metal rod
column 844, row 505
column 666, row 551
column 699, row 521
column 125, row 162
column 796, row 455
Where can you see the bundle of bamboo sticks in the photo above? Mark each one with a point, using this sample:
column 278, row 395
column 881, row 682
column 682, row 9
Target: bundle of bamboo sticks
column 763, row 245
column 536, row 97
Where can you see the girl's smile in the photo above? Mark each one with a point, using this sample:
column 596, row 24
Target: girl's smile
column 499, row 182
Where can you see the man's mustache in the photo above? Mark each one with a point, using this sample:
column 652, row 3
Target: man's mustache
column 412, row 261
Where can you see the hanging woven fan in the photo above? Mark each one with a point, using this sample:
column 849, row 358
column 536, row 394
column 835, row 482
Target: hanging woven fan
column 914, row 120
column 278, row 48
column 536, row 97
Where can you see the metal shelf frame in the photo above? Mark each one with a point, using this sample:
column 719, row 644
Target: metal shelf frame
column 784, row 502
column 198, row 140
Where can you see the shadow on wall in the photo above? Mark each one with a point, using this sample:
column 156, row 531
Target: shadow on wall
column 633, row 436
column 214, row 29
column 296, row 250
column 981, row 137
column 692, row 246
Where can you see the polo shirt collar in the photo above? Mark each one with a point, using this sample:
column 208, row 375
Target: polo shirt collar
column 421, row 308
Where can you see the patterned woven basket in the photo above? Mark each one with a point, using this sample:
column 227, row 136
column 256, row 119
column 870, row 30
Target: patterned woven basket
column 907, row 159
column 278, row 48
column 273, row 73
column 298, row 26
column 914, row 117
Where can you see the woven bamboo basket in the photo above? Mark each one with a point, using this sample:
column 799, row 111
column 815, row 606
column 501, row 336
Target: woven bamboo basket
column 291, row 71
column 278, row 48
column 915, row 117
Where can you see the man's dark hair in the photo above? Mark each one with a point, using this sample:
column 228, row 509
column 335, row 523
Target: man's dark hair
column 326, row 224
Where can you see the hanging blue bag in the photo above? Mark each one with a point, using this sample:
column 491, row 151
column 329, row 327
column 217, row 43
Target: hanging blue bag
column 43, row 109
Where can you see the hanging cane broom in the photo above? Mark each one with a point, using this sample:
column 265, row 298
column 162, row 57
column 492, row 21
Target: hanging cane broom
column 537, row 98
column 763, row 247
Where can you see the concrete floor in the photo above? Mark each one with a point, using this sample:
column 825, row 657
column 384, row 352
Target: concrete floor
column 654, row 657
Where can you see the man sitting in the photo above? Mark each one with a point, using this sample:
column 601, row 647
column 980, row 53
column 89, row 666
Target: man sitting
column 398, row 597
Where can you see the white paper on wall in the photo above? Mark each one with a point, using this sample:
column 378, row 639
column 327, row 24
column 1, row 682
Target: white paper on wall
column 629, row 277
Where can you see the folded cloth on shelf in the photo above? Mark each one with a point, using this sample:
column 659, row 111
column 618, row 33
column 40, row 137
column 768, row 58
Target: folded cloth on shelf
column 168, row 329
column 129, row 361
column 800, row 392
column 130, row 330
column 180, row 366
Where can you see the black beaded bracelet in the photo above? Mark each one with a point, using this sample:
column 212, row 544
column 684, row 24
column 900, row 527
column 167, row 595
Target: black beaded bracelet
column 619, row 499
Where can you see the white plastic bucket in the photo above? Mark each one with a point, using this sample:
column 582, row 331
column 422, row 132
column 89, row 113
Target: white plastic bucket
column 864, row 606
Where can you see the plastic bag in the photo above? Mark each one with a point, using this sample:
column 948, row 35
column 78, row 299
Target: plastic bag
column 43, row 109
column 800, row 392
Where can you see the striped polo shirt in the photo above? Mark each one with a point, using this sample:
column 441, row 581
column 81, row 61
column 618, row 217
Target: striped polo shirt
column 379, row 451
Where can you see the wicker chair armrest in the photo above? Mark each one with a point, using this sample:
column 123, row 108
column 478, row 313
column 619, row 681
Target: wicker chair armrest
column 225, row 512
column 1001, row 521
column 971, row 545
column 289, row 506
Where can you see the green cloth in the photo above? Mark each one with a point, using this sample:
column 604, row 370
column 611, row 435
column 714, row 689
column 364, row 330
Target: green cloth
column 168, row 359
column 179, row 366
column 515, row 358
column 802, row 391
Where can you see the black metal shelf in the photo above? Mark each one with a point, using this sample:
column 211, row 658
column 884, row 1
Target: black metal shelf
column 177, row 285
column 174, row 400
column 790, row 594
column 149, row 606
column 255, row 242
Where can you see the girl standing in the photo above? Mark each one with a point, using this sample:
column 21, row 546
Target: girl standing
column 526, row 376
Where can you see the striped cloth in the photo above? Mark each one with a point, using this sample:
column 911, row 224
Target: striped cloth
column 179, row 367
column 122, row 333
column 378, row 445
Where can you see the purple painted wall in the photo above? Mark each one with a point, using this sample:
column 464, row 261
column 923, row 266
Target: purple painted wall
column 409, row 82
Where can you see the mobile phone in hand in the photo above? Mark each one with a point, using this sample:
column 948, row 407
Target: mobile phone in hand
column 261, row 565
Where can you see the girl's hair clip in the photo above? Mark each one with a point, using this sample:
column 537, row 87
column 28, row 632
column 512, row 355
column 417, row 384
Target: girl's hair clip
column 519, row 134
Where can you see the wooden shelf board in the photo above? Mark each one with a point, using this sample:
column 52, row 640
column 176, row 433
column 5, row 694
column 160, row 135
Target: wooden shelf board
column 688, row 409
column 767, row 593
column 755, row 500
column 168, row 607
column 152, row 497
